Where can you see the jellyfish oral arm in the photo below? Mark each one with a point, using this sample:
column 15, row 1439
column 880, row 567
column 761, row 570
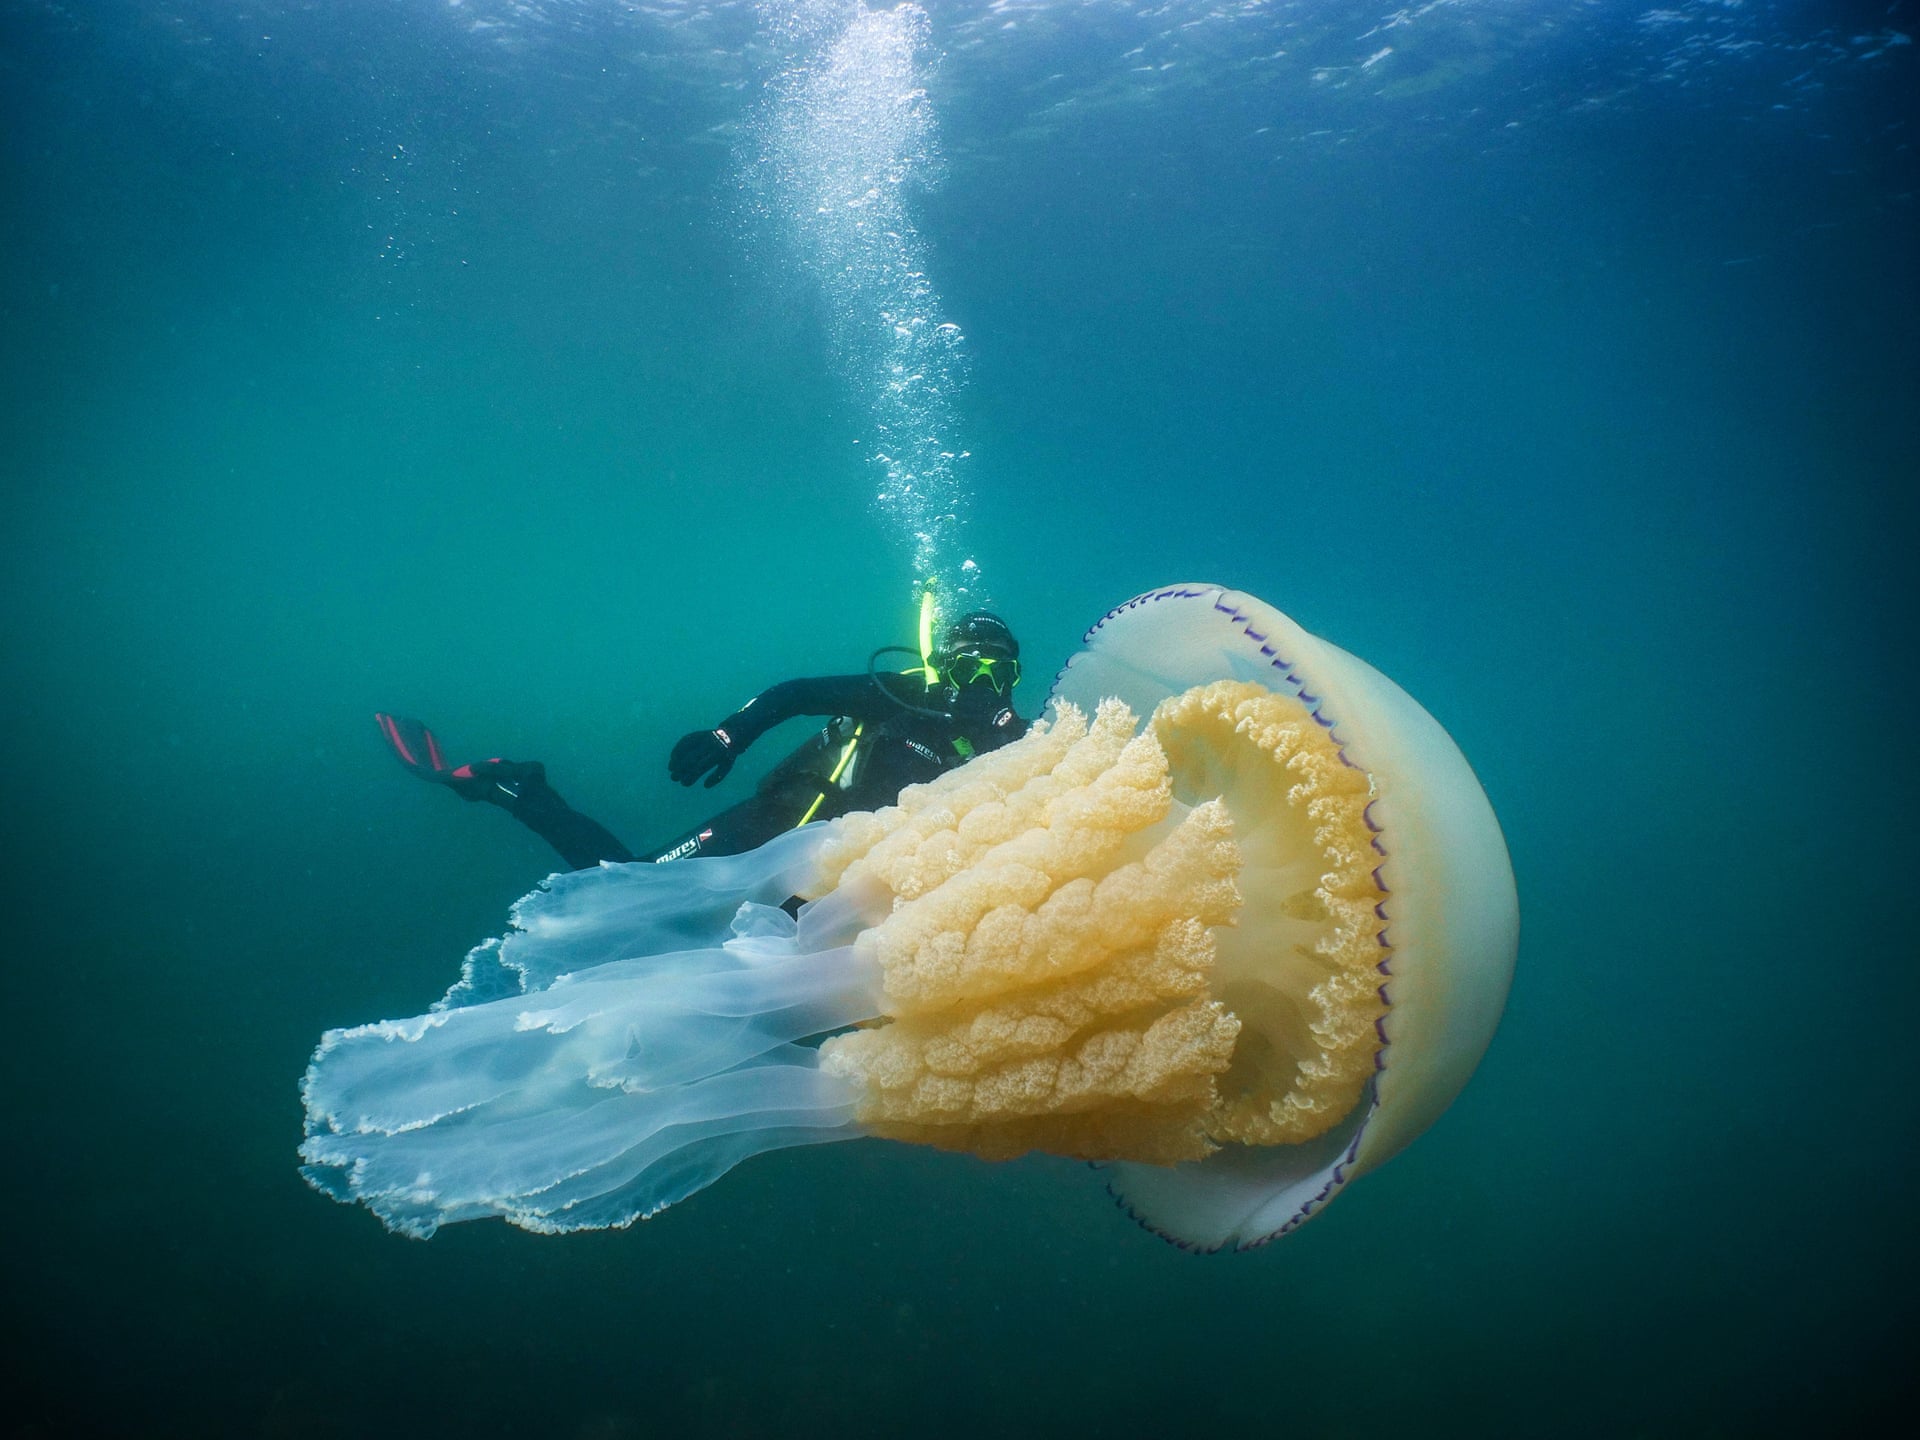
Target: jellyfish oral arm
column 603, row 1095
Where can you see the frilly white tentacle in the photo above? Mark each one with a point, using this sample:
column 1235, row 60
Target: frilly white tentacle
column 629, row 1043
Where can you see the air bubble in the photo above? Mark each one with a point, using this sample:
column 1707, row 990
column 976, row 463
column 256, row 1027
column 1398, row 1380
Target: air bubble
column 845, row 131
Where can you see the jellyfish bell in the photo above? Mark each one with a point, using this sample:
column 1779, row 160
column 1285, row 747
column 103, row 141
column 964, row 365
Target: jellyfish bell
column 1241, row 952
column 1449, row 917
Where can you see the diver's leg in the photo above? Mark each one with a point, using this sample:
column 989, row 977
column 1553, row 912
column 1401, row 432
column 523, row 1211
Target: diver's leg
column 581, row 842
column 518, row 787
column 734, row 831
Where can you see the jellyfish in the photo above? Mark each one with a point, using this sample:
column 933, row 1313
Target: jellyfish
column 1234, row 921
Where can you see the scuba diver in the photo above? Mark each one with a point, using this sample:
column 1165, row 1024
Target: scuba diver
column 885, row 730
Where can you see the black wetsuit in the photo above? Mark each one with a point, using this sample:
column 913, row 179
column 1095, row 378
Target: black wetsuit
column 871, row 749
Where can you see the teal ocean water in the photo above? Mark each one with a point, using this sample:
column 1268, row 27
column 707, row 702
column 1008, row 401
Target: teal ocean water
column 517, row 366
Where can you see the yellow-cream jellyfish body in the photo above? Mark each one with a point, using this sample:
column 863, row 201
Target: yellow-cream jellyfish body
column 1245, row 951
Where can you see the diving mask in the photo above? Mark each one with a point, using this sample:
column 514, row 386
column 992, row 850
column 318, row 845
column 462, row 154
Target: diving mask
column 967, row 667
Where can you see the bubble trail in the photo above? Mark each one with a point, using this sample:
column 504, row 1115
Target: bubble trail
column 847, row 132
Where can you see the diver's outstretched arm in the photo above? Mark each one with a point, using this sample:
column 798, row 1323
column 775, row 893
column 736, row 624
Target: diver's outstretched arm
column 715, row 750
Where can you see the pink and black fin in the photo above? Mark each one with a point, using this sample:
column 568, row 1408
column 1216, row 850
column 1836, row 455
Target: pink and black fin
column 413, row 744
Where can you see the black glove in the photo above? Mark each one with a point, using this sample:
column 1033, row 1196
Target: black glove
column 695, row 754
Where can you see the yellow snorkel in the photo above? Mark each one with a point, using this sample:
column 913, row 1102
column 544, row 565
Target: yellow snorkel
column 841, row 777
column 932, row 675
column 927, row 670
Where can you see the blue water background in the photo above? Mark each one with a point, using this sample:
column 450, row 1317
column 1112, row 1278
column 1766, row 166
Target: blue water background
column 1562, row 363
